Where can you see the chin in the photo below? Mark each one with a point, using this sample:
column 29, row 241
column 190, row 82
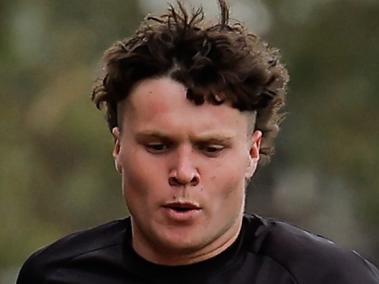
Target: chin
column 182, row 243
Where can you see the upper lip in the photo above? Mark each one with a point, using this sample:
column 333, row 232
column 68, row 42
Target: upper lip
column 182, row 205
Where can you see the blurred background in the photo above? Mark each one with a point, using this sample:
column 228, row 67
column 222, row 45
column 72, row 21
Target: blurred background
column 57, row 172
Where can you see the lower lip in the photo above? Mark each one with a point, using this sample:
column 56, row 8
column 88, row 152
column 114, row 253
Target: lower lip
column 181, row 216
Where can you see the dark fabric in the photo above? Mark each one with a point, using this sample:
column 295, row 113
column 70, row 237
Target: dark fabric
column 266, row 252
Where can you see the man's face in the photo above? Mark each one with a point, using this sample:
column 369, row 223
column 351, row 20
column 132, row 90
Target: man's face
column 184, row 169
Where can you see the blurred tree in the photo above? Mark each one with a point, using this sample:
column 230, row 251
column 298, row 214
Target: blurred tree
column 56, row 169
column 54, row 144
column 331, row 130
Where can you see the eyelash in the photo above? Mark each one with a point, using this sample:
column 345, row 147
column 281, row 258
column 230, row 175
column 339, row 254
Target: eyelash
column 211, row 150
column 156, row 147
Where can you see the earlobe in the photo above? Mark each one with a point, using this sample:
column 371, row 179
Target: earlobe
column 118, row 167
column 116, row 148
column 256, row 139
column 116, row 136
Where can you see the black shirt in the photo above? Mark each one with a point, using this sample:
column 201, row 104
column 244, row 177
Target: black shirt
column 266, row 252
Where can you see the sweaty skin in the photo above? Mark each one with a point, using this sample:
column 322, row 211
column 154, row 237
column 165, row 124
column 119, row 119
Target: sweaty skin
column 184, row 170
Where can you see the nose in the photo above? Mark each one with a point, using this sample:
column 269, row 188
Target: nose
column 184, row 171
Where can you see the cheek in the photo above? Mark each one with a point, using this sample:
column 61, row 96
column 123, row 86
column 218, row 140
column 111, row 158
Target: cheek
column 141, row 177
column 228, row 179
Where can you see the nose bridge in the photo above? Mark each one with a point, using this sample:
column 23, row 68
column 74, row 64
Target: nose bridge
column 184, row 169
column 184, row 159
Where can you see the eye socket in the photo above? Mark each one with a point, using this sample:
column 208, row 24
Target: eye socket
column 156, row 147
column 212, row 150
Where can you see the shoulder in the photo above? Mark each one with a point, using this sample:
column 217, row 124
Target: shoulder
column 308, row 257
column 45, row 260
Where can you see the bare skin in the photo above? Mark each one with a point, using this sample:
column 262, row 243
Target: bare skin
column 184, row 170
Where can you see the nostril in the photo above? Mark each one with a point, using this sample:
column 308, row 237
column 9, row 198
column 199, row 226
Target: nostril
column 173, row 181
column 195, row 181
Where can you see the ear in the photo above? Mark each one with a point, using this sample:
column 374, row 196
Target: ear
column 116, row 148
column 255, row 144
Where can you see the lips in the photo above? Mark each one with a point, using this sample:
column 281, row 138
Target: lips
column 182, row 206
column 182, row 211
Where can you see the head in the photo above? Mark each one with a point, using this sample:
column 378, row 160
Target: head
column 193, row 108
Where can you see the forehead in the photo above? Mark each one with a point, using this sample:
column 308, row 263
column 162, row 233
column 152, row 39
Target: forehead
column 158, row 95
column 162, row 103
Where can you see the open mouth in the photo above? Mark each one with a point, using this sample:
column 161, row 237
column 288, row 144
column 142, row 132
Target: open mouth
column 179, row 209
column 182, row 207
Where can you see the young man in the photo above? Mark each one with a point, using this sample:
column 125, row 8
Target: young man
column 192, row 108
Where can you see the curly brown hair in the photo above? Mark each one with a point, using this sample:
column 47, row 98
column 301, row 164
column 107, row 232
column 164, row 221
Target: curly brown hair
column 217, row 63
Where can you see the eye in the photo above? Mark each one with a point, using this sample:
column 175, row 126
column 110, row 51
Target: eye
column 156, row 147
column 212, row 150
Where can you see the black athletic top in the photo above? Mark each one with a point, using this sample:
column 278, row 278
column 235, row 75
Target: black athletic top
column 266, row 252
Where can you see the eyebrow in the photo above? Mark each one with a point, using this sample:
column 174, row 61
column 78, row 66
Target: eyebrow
column 152, row 134
column 206, row 138
column 214, row 139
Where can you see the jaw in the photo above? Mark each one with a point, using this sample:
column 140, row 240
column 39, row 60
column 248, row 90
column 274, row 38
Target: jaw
column 183, row 243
